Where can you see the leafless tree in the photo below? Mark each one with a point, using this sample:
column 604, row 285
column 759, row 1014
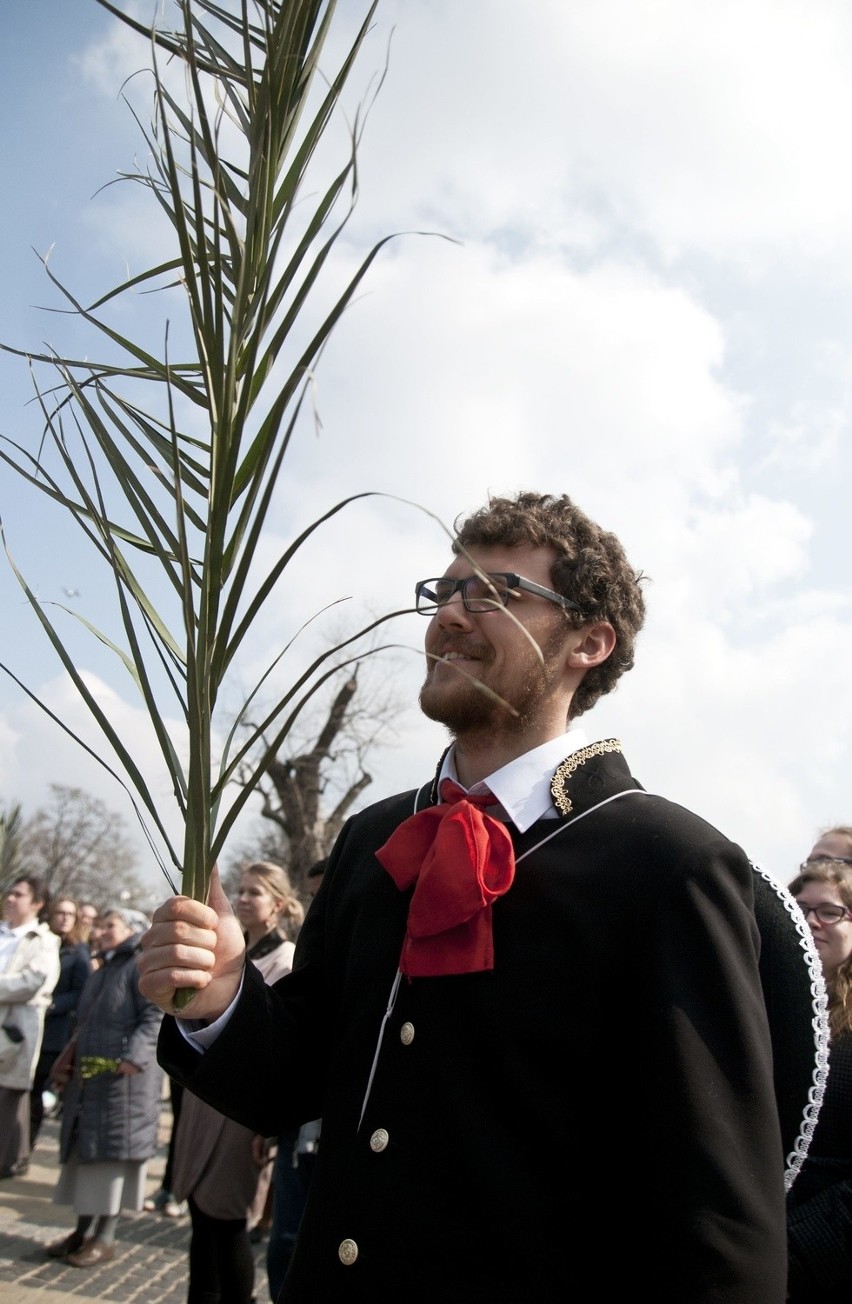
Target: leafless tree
column 10, row 844
column 82, row 849
column 309, row 790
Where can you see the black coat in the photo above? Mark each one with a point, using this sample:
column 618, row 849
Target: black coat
column 593, row 1119
column 75, row 965
column 820, row 1202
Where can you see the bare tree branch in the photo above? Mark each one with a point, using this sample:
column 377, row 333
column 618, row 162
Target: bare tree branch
column 308, row 792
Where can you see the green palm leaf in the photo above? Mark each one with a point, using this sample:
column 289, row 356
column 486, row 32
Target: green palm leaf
column 183, row 478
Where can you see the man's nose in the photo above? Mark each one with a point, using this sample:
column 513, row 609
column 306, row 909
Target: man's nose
column 454, row 614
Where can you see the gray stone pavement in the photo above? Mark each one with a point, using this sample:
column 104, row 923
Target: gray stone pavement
column 151, row 1262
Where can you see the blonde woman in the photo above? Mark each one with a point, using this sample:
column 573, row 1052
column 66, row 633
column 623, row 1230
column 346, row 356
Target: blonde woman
column 820, row 1202
column 216, row 1162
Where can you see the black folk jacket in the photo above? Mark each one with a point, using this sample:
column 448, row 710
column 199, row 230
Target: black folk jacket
column 596, row 1117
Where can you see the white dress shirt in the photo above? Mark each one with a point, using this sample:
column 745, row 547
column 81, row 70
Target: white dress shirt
column 9, row 939
column 523, row 786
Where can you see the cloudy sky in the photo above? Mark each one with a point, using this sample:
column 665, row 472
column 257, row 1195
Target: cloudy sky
column 644, row 302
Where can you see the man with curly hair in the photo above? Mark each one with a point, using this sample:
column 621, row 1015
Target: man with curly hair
column 535, row 1006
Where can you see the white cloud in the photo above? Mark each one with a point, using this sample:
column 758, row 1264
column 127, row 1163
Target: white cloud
column 38, row 752
column 809, row 440
column 713, row 129
column 621, row 177
column 523, row 368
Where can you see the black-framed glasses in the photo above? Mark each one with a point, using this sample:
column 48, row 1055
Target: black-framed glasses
column 824, row 860
column 826, row 912
column 481, row 593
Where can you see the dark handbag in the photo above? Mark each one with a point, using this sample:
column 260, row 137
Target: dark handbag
column 63, row 1066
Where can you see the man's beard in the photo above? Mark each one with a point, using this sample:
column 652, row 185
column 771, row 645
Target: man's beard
column 465, row 707
column 462, row 707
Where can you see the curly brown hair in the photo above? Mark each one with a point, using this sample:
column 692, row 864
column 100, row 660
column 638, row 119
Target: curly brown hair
column 838, row 984
column 591, row 568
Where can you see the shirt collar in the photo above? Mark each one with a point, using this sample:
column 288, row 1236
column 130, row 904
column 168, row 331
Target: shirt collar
column 21, row 930
column 523, row 786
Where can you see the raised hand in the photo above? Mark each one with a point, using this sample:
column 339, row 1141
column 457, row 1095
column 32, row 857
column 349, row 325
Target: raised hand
column 191, row 945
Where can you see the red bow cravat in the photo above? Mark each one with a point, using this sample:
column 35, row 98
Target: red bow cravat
column 460, row 861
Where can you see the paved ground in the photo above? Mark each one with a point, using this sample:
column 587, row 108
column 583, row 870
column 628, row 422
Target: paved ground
column 151, row 1262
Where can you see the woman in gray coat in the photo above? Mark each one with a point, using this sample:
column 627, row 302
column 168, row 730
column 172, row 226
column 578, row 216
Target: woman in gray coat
column 111, row 1106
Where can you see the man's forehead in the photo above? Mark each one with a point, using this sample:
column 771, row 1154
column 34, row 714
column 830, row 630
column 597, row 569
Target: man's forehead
column 521, row 558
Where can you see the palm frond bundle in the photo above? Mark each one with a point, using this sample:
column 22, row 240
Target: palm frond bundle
column 168, row 465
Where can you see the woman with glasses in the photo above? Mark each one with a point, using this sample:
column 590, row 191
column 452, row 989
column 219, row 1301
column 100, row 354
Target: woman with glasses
column 819, row 1216
column 74, row 969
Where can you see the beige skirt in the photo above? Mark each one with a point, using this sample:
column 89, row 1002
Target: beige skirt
column 102, row 1188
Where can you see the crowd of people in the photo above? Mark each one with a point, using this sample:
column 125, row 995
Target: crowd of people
column 512, row 987
column 70, row 969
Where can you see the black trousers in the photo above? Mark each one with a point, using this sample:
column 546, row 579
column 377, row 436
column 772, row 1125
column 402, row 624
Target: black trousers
column 41, row 1081
column 221, row 1263
column 176, row 1096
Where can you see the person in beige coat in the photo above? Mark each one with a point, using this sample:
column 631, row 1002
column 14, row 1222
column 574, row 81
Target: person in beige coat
column 29, row 970
column 218, row 1166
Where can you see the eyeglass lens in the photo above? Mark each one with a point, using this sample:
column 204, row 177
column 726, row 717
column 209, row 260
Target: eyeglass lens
column 479, row 593
column 826, row 914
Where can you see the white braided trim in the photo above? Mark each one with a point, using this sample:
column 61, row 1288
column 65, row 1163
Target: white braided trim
column 819, row 1023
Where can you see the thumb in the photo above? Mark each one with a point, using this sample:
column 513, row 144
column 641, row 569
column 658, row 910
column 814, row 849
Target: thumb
column 217, row 898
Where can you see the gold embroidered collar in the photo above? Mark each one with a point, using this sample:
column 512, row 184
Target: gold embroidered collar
column 561, row 779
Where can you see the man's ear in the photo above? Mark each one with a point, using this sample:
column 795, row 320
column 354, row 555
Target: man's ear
column 593, row 645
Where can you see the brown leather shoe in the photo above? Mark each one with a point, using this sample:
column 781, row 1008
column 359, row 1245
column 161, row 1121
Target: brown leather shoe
column 91, row 1252
column 68, row 1244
